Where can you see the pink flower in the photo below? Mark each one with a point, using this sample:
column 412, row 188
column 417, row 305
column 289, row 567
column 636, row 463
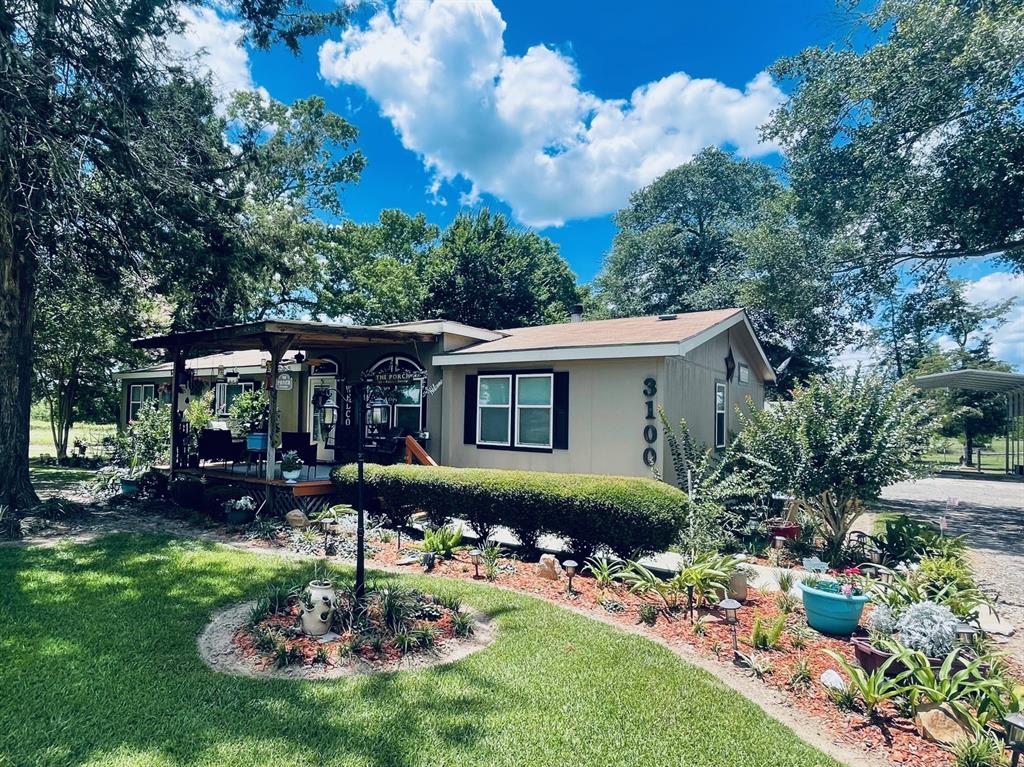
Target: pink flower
column 847, row 590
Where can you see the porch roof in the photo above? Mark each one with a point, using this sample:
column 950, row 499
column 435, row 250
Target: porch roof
column 299, row 334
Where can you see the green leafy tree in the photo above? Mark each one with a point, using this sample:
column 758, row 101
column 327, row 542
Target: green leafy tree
column 850, row 434
column 89, row 92
column 913, row 139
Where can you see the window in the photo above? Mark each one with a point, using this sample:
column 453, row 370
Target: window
column 225, row 394
column 720, row 403
column 744, row 373
column 494, row 410
column 137, row 394
column 533, row 410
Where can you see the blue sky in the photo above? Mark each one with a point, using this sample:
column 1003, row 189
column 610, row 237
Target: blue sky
column 551, row 112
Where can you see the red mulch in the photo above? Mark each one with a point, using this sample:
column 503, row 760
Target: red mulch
column 891, row 734
column 308, row 646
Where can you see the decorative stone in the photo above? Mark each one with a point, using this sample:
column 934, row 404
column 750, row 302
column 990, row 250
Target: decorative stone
column 832, row 679
column 548, row 567
column 938, row 722
column 408, row 561
column 297, row 518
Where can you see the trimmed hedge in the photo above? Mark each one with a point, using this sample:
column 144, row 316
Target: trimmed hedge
column 629, row 515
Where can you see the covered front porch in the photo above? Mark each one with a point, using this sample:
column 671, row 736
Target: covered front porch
column 319, row 405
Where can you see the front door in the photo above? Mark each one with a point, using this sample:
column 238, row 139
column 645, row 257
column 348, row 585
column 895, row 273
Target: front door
column 323, row 400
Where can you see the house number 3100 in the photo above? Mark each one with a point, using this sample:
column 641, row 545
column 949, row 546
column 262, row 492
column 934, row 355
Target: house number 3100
column 650, row 429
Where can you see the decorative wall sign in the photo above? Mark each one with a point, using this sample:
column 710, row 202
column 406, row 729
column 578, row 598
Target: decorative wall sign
column 650, row 455
column 730, row 365
column 284, row 382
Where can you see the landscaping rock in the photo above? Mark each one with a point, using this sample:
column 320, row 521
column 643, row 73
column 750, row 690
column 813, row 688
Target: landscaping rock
column 938, row 722
column 548, row 567
column 408, row 561
column 297, row 518
column 832, row 680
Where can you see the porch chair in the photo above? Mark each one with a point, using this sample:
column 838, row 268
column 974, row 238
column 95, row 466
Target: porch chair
column 218, row 445
column 302, row 443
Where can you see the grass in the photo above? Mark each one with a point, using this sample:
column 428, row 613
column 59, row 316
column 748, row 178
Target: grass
column 100, row 668
column 40, row 437
column 993, row 456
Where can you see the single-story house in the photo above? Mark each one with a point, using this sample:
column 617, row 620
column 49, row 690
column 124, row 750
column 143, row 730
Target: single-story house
column 581, row 396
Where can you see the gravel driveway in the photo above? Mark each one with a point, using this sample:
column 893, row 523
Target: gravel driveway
column 991, row 515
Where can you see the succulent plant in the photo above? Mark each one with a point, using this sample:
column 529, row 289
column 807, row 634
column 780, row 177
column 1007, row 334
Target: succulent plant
column 882, row 620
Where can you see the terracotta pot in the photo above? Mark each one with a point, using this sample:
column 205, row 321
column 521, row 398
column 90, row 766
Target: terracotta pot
column 783, row 529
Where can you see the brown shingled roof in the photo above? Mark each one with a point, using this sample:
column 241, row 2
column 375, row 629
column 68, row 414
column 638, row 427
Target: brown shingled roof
column 629, row 330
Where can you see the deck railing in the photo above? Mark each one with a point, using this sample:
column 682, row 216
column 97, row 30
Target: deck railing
column 414, row 451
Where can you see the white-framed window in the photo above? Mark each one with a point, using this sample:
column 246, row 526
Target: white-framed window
column 720, row 410
column 225, row 394
column 137, row 394
column 534, row 411
column 494, row 410
column 744, row 373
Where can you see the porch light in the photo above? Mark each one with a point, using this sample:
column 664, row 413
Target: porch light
column 965, row 633
column 731, row 609
column 570, row 570
column 1014, row 726
column 474, row 557
column 220, row 374
column 231, row 376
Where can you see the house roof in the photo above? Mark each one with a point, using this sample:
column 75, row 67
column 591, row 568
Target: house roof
column 628, row 330
column 972, row 379
column 654, row 336
column 244, row 361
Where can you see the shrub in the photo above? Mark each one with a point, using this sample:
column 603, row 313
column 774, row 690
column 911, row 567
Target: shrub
column 250, row 411
column 631, row 516
column 188, row 492
column 882, row 620
column 928, row 628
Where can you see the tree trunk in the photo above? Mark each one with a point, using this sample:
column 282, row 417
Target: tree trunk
column 968, row 448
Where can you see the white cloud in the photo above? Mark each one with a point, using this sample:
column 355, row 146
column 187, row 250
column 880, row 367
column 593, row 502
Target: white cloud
column 519, row 127
column 1007, row 340
column 211, row 42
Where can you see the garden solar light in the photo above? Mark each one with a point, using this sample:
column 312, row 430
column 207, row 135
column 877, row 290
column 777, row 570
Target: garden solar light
column 570, row 570
column 778, row 542
column 1014, row 725
column 689, row 601
column 869, row 570
column 965, row 632
column 474, row 557
column 731, row 609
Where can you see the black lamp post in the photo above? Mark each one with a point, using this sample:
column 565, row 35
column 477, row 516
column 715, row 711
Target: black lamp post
column 360, row 524
column 731, row 608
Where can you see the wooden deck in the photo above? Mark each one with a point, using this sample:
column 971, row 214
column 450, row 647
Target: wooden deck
column 310, row 495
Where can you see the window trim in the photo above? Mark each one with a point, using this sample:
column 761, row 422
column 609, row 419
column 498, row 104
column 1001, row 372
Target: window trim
column 510, row 377
column 724, row 413
column 550, row 407
column 222, row 386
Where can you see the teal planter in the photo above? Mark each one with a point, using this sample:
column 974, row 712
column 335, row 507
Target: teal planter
column 239, row 516
column 256, row 441
column 830, row 612
column 129, row 486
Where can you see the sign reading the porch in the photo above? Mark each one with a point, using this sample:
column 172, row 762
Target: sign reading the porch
column 383, row 377
column 650, row 455
column 284, row 382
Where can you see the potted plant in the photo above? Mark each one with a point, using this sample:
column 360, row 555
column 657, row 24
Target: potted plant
column 199, row 416
column 250, row 412
column 291, row 466
column 833, row 606
column 131, row 480
column 924, row 627
column 240, row 511
column 318, row 601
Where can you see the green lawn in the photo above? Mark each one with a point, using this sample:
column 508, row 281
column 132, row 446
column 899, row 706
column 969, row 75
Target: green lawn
column 99, row 667
column 993, row 456
column 40, row 437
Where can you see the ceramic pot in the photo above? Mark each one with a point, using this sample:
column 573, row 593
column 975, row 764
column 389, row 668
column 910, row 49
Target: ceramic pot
column 738, row 586
column 317, row 615
column 291, row 476
column 784, row 529
column 831, row 612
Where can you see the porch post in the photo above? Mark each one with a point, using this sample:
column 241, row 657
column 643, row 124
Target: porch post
column 278, row 346
column 176, row 416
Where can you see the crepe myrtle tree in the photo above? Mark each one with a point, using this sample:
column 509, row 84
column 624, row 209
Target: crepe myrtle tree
column 841, row 439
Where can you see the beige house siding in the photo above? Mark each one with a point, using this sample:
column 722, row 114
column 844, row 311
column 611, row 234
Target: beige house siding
column 606, row 420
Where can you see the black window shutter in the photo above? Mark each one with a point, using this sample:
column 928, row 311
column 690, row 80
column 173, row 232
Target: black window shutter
column 469, row 420
column 560, row 438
